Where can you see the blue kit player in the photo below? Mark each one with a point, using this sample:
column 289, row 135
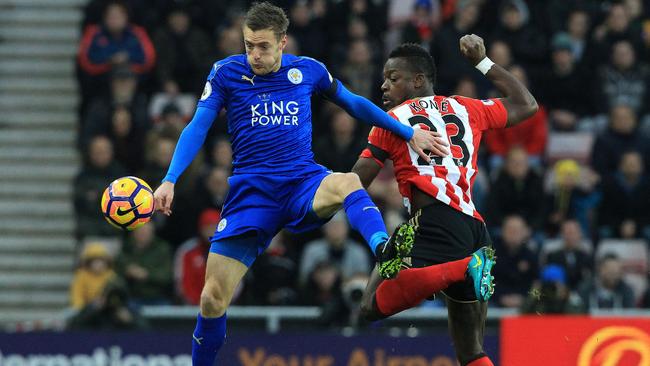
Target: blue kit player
column 276, row 184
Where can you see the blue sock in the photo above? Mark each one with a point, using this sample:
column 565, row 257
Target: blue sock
column 208, row 337
column 364, row 216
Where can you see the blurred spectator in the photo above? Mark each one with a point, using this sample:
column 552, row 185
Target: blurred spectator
column 421, row 25
column 161, row 156
column 98, row 171
column 184, row 54
column 273, row 278
column 564, row 88
column 531, row 134
column 499, row 52
column 571, row 196
column 551, row 295
column 466, row 87
column 517, row 266
column 340, row 150
column 191, row 258
column 625, row 196
column 527, row 43
column 323, row 288
column 578, row 24
column 621, row 136
column 181, row 225
column 214, row 188
column 445, row 49
column 572, row 257
column 222, row 154
column 92, row 276
column 608, row 290
column 516, row 191
column 109, row 312
column 122, row 116
column 359, row 72
column 145, row 264
column 624, row 80
column 230, row 42
column 170, row 126
column 307, row 30
column 115, row 42
column 336, row 248
column 615, row 28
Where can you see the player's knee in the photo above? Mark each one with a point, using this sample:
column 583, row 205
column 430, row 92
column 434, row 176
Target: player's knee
column 348, row 183
column 213, row 303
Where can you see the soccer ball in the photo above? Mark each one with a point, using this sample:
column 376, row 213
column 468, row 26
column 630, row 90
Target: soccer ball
column 127, row 203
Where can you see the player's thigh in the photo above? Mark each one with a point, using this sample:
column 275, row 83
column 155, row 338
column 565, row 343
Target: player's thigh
column 368, row 303
column 332, row 191
column 222, row 275
column 467, row 326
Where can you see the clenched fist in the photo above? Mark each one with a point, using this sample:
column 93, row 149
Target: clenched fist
column 473, row 48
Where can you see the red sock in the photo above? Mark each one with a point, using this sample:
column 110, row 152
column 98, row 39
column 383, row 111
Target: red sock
column 483, row 361
column 413, row 285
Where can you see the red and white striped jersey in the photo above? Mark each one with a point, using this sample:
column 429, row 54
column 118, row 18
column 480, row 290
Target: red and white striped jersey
column 461, row 121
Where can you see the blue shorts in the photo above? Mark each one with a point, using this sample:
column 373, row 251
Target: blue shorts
column 263, row 205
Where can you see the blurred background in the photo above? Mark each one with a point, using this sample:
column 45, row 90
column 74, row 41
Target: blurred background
column 94, row 90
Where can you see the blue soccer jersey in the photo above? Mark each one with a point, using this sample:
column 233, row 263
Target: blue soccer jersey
column 269, row 116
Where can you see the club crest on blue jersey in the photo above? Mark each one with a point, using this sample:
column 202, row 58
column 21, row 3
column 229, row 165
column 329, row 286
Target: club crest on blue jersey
column 206, row 91
column 294, row 76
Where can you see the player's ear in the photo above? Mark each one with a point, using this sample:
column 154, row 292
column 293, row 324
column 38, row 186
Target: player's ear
column 419, row 80
column 283, row 42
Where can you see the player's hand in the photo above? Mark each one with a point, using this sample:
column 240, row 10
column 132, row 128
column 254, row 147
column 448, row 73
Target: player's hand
column 430, row 141
column 473, row 48
column 163, row 196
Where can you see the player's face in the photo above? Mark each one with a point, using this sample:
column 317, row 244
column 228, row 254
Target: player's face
column 398, row 83
column 263, row 50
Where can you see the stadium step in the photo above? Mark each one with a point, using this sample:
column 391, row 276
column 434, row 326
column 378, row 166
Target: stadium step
column 38, row 138
column 42, row 154
column 46, row 4
column 41, row 280
column 38, row 158
column 35, row 208
column 36, row 50
column 19, row 33
column 34, row 298
column 24, row 226
column 20, row 244
column 38, row 16
column 31, row 261
column 36, row 191
column 37, row 171
column 36, row 119
column 39, row 68
column 30, row 84
column 15, row 314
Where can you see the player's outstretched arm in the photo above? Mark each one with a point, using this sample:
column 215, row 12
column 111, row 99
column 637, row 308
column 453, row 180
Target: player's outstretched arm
column 363, row 109
column 187, row 147
column 518, row 101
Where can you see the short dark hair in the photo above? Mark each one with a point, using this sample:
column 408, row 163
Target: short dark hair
column 418, row 59
column 264, row 15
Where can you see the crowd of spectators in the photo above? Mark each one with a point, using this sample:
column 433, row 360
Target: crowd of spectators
column 556, row 191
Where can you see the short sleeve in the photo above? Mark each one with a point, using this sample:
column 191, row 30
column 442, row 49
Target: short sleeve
column 485, row 114
column 322, row 78
column 379, row 145
column 214, row 92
